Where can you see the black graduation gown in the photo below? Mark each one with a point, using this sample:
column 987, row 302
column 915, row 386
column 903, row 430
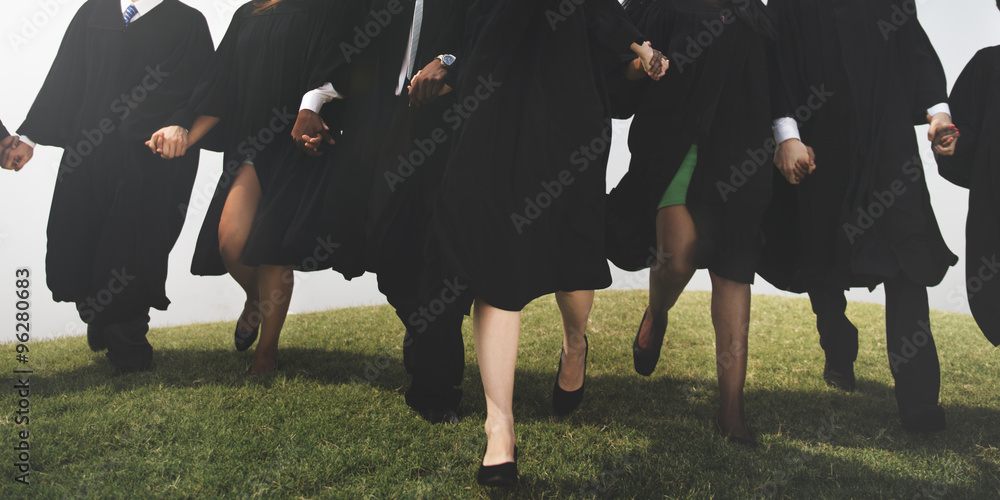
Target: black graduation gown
column 857, row 75
column 364, row 201
column 117, row 210
column 3, row 132
column 715, row 95
column 975, row 103
column 259, row 74
column 522, row 204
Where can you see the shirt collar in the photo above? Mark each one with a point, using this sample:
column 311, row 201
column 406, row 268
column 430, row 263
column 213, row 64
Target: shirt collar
column 143, row 6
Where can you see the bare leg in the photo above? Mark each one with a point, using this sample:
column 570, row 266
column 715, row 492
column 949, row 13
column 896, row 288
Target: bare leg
column 276, row 283
column 575, row 308
column 496, row 333
column 676, row 240
column 234, row 229
column 731, row 317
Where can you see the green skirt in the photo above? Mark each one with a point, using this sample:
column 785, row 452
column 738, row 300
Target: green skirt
column 676, row 193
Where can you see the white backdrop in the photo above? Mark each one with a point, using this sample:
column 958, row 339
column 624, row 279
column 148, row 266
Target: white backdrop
column 32, row 32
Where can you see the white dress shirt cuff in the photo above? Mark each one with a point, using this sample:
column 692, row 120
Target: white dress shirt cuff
column 27, row 141
column 785, row 128
column 940, row 108
column 315, row 99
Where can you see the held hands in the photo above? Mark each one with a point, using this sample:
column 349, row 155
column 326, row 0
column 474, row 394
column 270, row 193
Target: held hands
column 309, row 132
column 795, row 160
column 653, row 62
column 428, row 84
column 14, row 154
column 943, row 134
column 169, row 142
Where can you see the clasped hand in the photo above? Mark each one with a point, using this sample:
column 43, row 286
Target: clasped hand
column 14, row 153
column 169, row 142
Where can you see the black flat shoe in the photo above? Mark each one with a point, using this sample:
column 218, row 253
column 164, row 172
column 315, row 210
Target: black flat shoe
column 242, row 340
column 499, row 476
column 645, row 359
column 840, row 376
column 923, row 419
column 564, row 401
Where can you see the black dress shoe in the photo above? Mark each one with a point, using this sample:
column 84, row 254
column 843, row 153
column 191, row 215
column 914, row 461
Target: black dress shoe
column 564, row 401
column 923, row 419
column 439, row 416
column 840, row 376
column 95, row 339
column 242, row 340
column 645, row 359
column 499, row 476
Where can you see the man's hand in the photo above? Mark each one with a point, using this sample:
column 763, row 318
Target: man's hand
column 169, row 142
column 14, row 154
column 795, row 160
column 943, row 134
column 310, row 132
column 428, row 84
column 653, row 62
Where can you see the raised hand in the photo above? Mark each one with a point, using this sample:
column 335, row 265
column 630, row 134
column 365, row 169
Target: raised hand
column 795, row 160
column 943, row 134
column 169, row 142
column 310, row 132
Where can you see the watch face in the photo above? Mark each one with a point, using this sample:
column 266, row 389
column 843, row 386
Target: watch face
column 448, row 59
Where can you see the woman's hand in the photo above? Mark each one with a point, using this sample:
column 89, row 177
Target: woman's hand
column 169, row 142
column 653, row 62
column 795, row 160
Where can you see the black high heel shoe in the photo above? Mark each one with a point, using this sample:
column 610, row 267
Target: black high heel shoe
column 564, row 401
column 498, row 476
column 242, row 340
column 645, row 360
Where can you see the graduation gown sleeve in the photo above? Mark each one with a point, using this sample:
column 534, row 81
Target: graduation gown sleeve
column 969, row 113
column 930, row 82
column 51, row 118
column 3, row 132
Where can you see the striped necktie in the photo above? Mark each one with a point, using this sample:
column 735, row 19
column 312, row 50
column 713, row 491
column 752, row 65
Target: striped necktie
column 130, row 12
column 418, row 21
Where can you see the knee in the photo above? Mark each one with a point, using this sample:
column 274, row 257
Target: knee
column 673, row 271
column 230, row 244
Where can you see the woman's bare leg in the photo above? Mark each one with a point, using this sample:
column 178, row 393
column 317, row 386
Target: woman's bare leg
column 276, row 284
column 731, row 317
column 496, row 333
column 575, row 308
column 676, row 241
column 234, row 229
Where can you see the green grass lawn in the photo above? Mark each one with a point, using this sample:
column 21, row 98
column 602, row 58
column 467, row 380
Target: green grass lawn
column 332, row 423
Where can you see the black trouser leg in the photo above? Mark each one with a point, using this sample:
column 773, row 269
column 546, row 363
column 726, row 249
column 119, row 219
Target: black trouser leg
column 434, row 352
column 912, row 354
column 837, row 335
